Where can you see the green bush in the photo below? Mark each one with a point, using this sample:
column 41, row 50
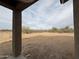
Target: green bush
column 26, row 30
column 66, row 29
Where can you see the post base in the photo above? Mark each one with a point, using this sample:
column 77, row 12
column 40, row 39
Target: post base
column 19, row 57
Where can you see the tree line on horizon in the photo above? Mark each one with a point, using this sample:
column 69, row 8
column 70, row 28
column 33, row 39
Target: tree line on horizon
column 27, row 30
column 65, row 29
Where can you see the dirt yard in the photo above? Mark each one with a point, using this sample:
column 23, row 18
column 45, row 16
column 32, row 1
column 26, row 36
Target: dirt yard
column 41, row 45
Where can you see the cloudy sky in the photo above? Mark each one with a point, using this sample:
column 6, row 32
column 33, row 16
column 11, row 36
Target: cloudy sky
column 44, row 14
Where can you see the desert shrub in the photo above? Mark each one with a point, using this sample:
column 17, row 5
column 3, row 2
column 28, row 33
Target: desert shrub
column 66, row 29
column 26, row 30
column 54, row 29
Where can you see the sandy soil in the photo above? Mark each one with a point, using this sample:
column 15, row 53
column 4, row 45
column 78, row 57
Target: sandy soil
column 41, row 45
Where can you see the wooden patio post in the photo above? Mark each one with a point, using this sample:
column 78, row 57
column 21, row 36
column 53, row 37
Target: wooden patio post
column 16, row 42
column 76, row 27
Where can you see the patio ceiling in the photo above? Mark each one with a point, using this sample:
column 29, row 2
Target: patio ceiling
column 17, row 4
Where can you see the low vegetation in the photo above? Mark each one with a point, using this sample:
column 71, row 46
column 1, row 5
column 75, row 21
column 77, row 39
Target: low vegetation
column 66, row 29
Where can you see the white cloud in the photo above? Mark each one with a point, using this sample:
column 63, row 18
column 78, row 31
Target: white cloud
column 5, row 17
column 46, row 15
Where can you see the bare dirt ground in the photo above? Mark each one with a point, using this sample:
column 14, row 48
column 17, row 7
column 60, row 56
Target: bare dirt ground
column 41, row 45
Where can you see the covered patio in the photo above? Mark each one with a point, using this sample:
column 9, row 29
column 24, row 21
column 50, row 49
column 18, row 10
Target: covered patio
column 17, row 6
